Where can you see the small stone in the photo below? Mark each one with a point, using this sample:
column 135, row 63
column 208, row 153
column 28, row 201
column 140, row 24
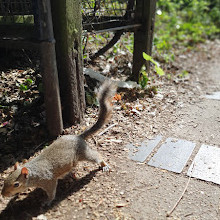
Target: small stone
column 41, row 217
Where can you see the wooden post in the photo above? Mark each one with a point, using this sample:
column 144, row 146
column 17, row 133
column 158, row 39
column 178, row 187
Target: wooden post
column 144, row 14
column 43, row 20
column 67, row 23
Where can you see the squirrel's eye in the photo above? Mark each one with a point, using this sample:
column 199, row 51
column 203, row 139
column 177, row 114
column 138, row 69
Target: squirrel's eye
column 16, row 185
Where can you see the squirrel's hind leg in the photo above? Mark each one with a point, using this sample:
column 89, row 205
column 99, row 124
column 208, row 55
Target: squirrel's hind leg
column 95, row 157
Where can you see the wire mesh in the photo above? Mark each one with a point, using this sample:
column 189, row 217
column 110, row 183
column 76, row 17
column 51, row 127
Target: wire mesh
column 15, row 11
column 93, row 11
column 99, row 11
column 104, row 7
column 15, row 7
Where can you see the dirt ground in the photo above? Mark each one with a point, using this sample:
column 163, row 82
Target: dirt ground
column 135, row 190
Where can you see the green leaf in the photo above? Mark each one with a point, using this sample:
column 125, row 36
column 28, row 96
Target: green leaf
column 29, row 81
column 149, row 58
column 23, row 87
column 143, row 80
column 159, row 71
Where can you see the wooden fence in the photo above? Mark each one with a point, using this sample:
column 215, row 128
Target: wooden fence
column 55, row 28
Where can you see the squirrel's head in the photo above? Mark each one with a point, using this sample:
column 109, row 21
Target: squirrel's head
column 16, row 182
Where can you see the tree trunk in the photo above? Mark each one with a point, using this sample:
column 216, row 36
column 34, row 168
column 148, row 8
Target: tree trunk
column 67, row 23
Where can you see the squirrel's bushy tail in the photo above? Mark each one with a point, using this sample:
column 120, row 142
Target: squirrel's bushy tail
column 105, row 95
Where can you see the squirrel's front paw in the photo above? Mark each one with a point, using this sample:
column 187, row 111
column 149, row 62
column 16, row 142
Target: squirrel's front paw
column 106, row 168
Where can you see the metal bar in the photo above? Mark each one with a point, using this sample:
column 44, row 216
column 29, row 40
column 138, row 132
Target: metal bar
column 132, row 26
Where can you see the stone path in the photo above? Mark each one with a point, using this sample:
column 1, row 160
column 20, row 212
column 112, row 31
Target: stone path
column 173, row 154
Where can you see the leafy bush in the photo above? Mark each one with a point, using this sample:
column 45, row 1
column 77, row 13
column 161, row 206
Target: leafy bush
column 185, row 22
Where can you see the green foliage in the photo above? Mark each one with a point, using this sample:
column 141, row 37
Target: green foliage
column 144, row 76
column 18, row 19
column 23, row 87
column 183, row 74
column 26, row 85
column 185, row 22
column 157, row 69
column 143, row 79
column 180, row 25
column 91, row 98
column 129, row 42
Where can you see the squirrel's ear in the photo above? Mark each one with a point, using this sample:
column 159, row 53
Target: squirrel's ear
column 16, row 166
column 24, row 171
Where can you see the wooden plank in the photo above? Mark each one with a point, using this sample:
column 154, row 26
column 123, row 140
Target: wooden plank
column 18, row 43
column 144, row 14
column 16, row 36
column 49, row 69
column 67, row 22
column 51, row 89
column 17, row 31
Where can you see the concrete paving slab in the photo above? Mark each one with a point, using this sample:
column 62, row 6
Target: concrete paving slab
column 141, row 153
column 206, row 165
column 214, row 95
column 173, row 155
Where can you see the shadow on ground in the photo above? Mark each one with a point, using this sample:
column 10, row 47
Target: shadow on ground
column 22, row 111
column 31, row 206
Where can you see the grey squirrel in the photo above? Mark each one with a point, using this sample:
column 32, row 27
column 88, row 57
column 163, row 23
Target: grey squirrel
column 61, row 156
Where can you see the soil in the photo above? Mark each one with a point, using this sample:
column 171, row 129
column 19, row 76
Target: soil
column 135, row 190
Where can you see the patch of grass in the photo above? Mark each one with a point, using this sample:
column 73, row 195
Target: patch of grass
column 185, row 23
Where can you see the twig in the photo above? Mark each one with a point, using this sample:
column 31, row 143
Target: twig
column 101, row 133
column 100, row 202
column 27, row 56
column 110, row 44
column 87, row 38
column 39, row 145
column 176, row 204
column 96, row 142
